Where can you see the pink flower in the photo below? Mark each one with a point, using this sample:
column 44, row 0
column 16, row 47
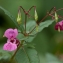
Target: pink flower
column 9, row 46
column 11, row 33
column 59, row 25
column 12, row 42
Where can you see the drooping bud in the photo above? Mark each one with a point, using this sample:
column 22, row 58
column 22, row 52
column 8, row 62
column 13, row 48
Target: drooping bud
column 19, row 17
column 37, row 27
column 56, row 17
column 36, row 15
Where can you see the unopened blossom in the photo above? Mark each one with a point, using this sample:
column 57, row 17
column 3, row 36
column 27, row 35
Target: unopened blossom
column 59, row 26
column 11, row 33
column 9, row 46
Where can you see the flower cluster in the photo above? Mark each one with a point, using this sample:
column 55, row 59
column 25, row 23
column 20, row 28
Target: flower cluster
column 12, row 41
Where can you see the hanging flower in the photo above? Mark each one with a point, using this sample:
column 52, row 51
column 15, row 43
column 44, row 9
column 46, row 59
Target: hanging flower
column 12, row 42
column 59, row 26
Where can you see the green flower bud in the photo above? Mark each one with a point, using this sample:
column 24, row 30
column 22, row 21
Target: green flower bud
column 56, row 17
column 19, row 19
column 36, row 15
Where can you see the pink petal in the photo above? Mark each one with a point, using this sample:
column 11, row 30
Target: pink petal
column 11, row 33
column 6, row 34
column 61, row 22
column 16, row 32
column 60, row 25
column 9, row 46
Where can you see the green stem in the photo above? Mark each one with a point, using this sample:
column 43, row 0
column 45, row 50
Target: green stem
column 16, row 51
column 25, row 22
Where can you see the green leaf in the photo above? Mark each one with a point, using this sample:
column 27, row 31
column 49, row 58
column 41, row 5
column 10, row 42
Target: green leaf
column 30, row 39
column 30, row 25
column 21, row 36
column 42, row 25
column 52, row 59
column 27, row 55
column 45, row 24
column 30, row 45
column 4, row 56
column 12, row 18
column 27, row 39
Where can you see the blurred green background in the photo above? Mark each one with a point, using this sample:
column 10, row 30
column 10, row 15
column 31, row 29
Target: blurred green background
column 47, row 41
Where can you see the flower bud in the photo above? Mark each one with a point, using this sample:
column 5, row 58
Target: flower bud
column 56, row 17
column 36, row 16
column 19, row 18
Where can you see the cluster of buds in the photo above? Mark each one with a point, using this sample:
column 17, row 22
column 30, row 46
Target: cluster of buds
column 12, row 41
column 19, row 21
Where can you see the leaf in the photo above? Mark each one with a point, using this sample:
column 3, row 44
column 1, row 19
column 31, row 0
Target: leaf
column 12, row 18
column 4, row 56
column 42, row 25
column 27, row 39
column 30, row 25
column 30, row 45
column 21, row 36
column 52, row 59
column 27, row 55
column 45, row 24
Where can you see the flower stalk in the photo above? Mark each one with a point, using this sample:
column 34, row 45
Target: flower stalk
column 11, row 59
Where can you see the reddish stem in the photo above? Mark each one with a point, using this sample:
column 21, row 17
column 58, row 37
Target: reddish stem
column 25, row 22
column 54, row 16
column 31, row 8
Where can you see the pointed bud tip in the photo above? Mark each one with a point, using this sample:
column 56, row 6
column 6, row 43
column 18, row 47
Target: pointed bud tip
column 56, row 17
column 36, row 15
column 19, row 19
